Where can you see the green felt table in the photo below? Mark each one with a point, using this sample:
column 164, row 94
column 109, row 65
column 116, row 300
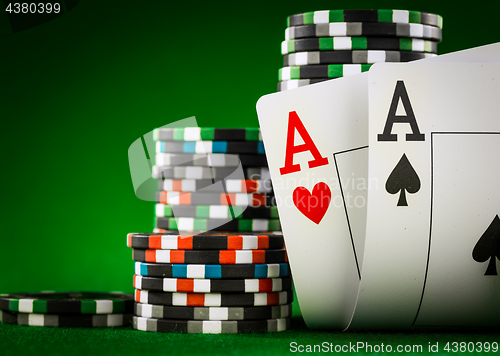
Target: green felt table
column 20, row 340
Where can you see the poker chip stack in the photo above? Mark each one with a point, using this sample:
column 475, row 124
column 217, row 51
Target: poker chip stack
column 208, row 176
column 215, row 262
column 323, row 45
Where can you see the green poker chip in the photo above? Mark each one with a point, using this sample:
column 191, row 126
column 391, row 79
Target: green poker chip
column 207, row 134
column 216, row 212
column 321, row 71
column 380, row 15
column 66, row 320
column 358, row 43
column 351, row 57
column 229, row 224
column 68, row 303
column 368, row 29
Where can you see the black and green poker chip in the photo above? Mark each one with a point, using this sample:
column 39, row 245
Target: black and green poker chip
column 207, row 134
column 66, row 320
column 380, row 15
column 227, row 224
column 358, row 43
column 368, row 29
column 67, row 303
column 351, row 57
column 319, row 71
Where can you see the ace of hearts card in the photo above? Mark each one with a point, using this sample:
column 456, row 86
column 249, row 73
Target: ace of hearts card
column 315, row 139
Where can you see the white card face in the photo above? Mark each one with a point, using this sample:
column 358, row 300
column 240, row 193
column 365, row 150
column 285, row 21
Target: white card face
column 410, row 105
column 352, row 167
column 332, row 118
column 462, row 286
column 324, row 298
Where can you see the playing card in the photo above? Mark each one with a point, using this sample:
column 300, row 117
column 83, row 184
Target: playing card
column 352, row 171
column 431, row 123
column 323, row 275
column 315, row 139
column 464, row 238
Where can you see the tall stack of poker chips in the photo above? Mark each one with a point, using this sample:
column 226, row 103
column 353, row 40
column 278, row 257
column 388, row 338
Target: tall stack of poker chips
column 208, row 267
column 323, row 45
column 207, row 176
column 67, row 309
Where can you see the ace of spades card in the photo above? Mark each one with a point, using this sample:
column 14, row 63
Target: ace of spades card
column 432, row 243
column 315, row 139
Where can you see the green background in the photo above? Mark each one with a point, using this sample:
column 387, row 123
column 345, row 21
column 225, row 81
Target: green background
column 78, row 90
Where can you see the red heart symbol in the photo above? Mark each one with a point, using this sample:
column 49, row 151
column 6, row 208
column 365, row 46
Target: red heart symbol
column 313, row 205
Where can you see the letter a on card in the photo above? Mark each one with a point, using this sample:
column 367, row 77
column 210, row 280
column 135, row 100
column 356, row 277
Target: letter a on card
column 295, row 124
column 310, row 148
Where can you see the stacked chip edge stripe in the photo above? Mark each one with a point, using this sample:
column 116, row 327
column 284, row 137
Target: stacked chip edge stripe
column 90, row 303
column 172, row 270
column 226, row 224
column 207, row 185
column 217, row 231
column 358, row 43
column 205, row 242
column 216, row 212
column 216, row 173
column 321, row 71
column 210, row 327
column 230, row 147
column 207, row 134
column 379, row 15
column 213, row 299
column 66, row 320
column 351, row 57
column 210, row 160
column 190, row 285
column 364, row 29
column 202, row 198
column 212, row 313
column 210, row 256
